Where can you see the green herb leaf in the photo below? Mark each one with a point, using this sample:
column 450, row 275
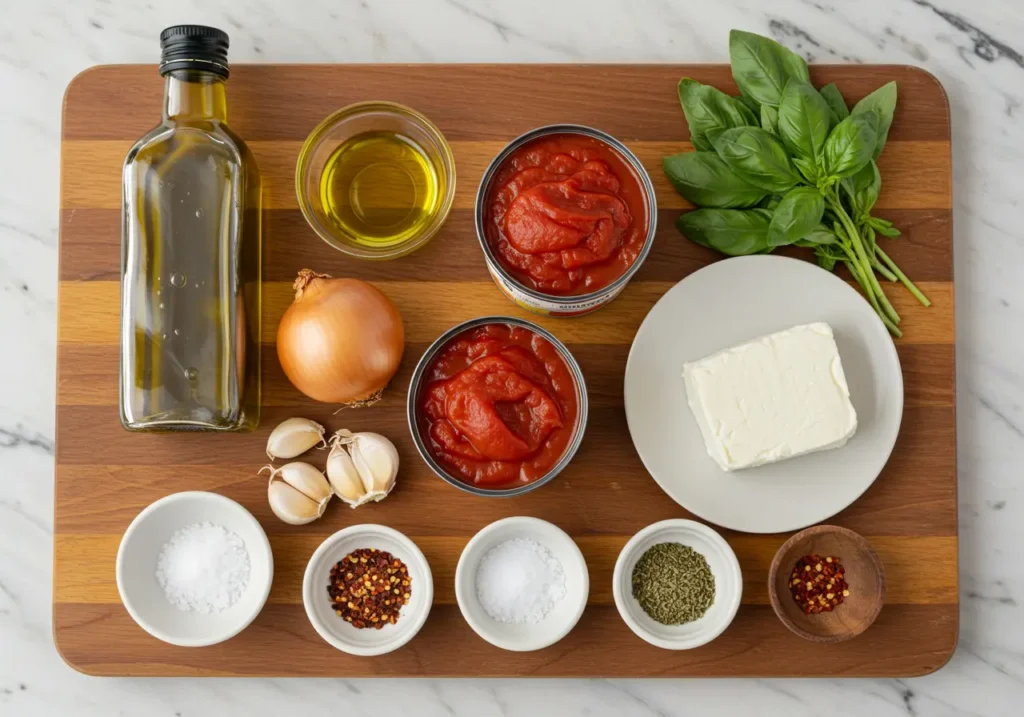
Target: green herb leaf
column 831, row 94
column 762, row 67
column 770, row 119
column 770, row 202
column 705, row 180
column 707, row 108
column 821, row 235
column 797, row 215
column 883, row 227
column 736, row 232
column 751, row 104
column 862, row 189
column 808, row 169
column 850, row 144
column 883, row 102
column 758, row 157
column 804, row 120
column 826, row 260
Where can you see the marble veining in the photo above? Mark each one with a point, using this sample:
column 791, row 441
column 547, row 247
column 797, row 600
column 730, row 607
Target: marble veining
column 972, row 46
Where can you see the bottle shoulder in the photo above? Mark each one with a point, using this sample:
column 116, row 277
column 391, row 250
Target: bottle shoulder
column 169, row 139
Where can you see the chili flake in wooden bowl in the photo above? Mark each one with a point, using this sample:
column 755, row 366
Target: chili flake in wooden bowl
column 818, row 583
column 812, row 614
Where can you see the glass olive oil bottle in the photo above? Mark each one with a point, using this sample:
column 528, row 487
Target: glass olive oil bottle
column 191, row 254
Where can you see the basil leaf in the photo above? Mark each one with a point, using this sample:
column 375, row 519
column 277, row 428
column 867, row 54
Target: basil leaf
column 797, row 215
column 831, row 94
column 821, row 235
column 707, row 108
column 808, row 169
column 736, row 232
column 862, row 189
column 758, row 157
column 804, row 120
column 705, row 180
column 770, row 119
column 751, row 104
column 883, row 102
column 826, row 260
column 770, row 202
column 762, row 67
column 850, row 144
column 884, row 227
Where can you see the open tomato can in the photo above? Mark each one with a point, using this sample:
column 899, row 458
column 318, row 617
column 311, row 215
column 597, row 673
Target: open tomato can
column 460, row 352
column 588, row 199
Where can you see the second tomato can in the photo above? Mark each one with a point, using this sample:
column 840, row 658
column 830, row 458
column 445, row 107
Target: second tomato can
column 563, row 303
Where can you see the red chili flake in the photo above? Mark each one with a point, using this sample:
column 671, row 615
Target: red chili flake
column 369, row 587
column 818, row 583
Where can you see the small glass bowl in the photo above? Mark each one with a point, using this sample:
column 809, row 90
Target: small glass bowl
column 346, row 123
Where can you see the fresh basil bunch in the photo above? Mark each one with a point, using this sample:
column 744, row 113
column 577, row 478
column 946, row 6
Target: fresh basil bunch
column 788, row 164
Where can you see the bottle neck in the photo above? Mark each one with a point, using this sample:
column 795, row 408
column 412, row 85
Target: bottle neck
column 195, row 95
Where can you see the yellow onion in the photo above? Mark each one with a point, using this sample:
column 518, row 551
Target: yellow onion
column 341, row 340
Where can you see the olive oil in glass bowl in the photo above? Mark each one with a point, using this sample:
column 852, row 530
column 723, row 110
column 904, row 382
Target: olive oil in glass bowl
column 375, row 180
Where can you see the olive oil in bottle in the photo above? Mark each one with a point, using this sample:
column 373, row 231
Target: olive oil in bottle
column 380, row 188
column 191, row 254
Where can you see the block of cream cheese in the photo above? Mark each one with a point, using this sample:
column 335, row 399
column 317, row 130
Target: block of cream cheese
column 772, row 398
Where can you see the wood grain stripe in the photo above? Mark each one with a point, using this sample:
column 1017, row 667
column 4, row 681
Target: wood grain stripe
column 915, row 172
column 905, row 640
column 89, row 374
column 605, row 488
column 491, row 100
column 91, row 246
column 89, row 311
column 919, row 570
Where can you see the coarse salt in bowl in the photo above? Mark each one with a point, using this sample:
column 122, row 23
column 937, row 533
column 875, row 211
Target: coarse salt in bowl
column 367, row 641
column 724, row 566
column 563, row 615
column 138, row 558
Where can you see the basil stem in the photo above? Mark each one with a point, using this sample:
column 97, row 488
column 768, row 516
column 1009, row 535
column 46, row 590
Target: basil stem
column 873, row 287
column 903, row 278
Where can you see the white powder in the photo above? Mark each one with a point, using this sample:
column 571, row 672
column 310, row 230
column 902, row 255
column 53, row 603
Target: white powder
column 519, row 581
column 203, row 568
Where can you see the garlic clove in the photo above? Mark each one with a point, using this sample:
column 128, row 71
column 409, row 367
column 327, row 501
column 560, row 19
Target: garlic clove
column 293, row 437
column 343, row 476
column 298, row 492
column 376, row 460
column 304, row 478
column 291, row 506
column 362, row 467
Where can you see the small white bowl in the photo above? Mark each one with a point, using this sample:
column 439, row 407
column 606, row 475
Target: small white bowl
column 366, row 641
column 724, row 566
column 137, row 560
column 523, row 637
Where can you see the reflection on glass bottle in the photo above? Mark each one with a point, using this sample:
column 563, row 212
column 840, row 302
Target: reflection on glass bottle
column 191, row 254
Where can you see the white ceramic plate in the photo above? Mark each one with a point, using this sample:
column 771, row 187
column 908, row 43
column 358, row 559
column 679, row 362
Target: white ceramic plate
column 730, row 302
column 523, row 637
column 724, row 566
column 140, row 549
column 335, row 630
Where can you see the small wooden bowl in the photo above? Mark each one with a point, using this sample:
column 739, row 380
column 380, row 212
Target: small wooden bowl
column 863, row 571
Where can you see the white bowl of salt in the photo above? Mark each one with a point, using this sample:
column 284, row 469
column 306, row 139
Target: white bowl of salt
column 194, row 569
column 522, row 583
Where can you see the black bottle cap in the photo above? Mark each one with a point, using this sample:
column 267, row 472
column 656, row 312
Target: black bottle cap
column 194, row 47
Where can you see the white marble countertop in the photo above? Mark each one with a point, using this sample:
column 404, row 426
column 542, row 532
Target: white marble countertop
column 971, row 45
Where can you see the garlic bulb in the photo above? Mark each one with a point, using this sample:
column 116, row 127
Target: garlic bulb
column 361, row 467
column 298, row 492
column 294, row 437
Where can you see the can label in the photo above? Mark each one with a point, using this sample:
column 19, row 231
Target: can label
column 547, row 307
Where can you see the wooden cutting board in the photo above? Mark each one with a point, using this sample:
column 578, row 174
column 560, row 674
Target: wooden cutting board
column 105, row 476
